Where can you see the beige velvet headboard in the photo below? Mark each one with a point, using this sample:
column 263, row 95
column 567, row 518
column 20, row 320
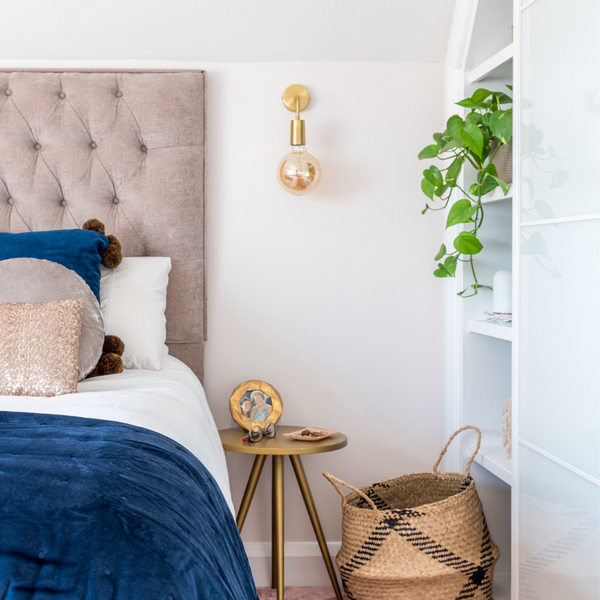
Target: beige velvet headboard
column 125, row 147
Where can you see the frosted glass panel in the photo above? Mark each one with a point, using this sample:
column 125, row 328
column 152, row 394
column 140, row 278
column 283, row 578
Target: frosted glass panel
column 558, row 454
column 558, row 532
column 560, row 91
column 560, row 341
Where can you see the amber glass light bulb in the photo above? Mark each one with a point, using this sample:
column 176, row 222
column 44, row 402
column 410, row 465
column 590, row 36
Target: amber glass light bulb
column 299, row 172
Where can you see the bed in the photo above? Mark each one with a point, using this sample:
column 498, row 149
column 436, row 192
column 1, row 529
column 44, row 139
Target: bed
column 121, row 490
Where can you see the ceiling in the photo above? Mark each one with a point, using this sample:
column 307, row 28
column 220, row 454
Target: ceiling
column 228, row 30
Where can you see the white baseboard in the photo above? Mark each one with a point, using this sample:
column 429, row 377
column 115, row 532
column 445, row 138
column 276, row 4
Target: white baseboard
column 303, row 563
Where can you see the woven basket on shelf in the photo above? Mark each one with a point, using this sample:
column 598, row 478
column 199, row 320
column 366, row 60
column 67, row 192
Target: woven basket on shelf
column 417, row 537
column 503, row 160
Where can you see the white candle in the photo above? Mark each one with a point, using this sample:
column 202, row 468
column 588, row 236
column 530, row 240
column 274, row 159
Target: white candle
column 502, row 285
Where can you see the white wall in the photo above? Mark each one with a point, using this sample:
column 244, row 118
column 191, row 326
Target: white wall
column 227, row 30
column 329, row 297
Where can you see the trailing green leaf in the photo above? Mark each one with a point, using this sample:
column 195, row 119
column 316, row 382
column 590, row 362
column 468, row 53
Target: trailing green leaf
column 456, row 129
column 451, row 145
column 475, row 287
column 442, row 271
column 434, row 175
column 429, row 152
column 471, row 135
column 490, row 169
column 505, row 187
column 501, row 125
column 428, row 188
column 480, row 95
column 454, row 171
column 439, row 191
column 462, row 211
column 451, row 121
column 450, row 264
column 481, row 189
column 468, row 103
column 474, row 117
column 441, row 252
column 467, row 243
column 502, row 98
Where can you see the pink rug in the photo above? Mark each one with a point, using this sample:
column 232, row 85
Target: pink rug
column 298, row 593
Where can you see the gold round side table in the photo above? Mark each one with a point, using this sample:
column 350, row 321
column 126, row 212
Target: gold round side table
column 278, row 447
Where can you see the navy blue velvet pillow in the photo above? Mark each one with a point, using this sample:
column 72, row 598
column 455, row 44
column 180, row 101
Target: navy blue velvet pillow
column 77, row 249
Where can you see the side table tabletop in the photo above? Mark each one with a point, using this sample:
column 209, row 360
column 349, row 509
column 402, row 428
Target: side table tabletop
column 278, row 447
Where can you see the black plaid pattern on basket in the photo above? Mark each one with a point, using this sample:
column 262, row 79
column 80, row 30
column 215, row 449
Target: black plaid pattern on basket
column 477, row 574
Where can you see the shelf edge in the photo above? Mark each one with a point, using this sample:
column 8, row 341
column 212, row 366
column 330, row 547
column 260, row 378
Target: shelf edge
column 485, row 68
column 491, row 329
column 487, row 459
column 491, row 198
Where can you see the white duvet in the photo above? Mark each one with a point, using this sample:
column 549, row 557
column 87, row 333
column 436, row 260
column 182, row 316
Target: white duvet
column 170, row 401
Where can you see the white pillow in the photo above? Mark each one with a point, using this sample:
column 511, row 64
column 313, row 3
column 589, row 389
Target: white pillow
column 133, row 299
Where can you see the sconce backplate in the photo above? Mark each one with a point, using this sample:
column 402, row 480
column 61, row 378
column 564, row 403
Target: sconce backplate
column 289, row 97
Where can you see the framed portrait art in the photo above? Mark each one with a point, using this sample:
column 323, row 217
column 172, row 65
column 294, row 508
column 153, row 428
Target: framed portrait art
column 255, row 403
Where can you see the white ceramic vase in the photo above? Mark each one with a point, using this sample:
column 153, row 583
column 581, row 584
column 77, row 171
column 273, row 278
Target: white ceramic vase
column 502, row 284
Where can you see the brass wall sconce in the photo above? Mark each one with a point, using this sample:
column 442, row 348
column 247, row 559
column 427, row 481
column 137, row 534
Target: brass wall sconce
column 298, row 172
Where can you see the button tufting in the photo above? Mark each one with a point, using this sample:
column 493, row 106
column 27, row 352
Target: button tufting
column 116, row 200
column 8, row 92
column 62, row 95
column 42, row 554
column 119, row 94
column 10, row 200
column 93, row 145
column 63, row 203
column 144, row 148
column 38, row 146
column 107, row 571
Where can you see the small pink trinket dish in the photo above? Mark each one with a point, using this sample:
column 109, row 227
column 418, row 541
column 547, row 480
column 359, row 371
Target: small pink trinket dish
column 311, row 434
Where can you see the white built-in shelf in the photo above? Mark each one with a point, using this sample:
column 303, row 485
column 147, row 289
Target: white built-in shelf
column 493, row 459
column 497, row 66
column 496, row 196
column 500, row 331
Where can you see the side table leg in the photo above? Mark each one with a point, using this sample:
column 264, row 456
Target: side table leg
column 257, row 467
column 277, row 545
column 314, row 519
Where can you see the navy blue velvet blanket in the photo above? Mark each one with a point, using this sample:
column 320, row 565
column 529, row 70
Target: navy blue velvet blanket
column 97, row 510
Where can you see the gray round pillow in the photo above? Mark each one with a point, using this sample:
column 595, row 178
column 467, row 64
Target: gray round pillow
column 37, row 280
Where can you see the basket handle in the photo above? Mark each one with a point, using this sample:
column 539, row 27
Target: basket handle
column 334, row 482
column 439, row 460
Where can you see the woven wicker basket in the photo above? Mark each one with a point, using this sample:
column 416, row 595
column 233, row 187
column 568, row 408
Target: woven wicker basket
column 503, row 160
column 417, row 537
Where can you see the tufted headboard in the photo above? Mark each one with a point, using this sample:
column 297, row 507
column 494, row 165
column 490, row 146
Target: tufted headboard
column 125, row 147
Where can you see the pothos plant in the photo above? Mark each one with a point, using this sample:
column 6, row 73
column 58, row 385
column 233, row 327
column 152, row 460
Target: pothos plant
column 467, row 141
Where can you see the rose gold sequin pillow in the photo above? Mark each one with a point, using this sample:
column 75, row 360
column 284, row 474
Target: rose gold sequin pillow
column 39, row 347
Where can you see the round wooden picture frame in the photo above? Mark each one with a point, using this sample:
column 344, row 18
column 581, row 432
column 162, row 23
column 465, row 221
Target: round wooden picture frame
column 246, row 401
